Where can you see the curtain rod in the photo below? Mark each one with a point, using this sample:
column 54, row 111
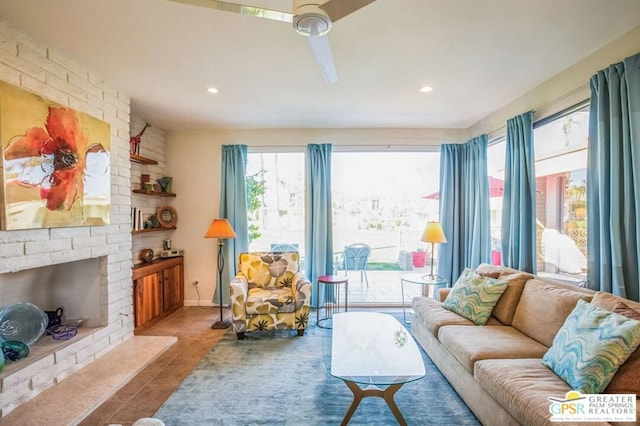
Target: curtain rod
column 542, row 117
column 347, row 148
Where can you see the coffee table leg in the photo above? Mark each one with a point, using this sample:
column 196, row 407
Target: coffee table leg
column 386, row 394
column 388, row 397
column 404, row 311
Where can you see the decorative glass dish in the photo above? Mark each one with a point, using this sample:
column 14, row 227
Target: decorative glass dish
column 63, row 332
column 14, row 350
column 22, row 322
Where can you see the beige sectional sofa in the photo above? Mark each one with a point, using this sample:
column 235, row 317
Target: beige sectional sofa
column 497, row 368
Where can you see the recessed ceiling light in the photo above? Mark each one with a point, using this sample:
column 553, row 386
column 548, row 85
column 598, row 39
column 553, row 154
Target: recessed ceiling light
column 212, row 90
column 426, row 89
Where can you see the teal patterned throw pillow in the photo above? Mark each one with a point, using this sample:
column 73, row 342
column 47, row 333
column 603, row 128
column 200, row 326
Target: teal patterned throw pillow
column 473, row 296
column 591, row 346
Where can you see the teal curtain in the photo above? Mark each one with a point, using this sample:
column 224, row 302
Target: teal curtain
column 233, row 206
column 319, row 219
column 464, row 207
column 519, row 203
column 613, row 180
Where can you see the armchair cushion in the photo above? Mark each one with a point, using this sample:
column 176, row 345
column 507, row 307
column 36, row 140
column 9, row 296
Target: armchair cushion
column 268, row 269
column 270, row 300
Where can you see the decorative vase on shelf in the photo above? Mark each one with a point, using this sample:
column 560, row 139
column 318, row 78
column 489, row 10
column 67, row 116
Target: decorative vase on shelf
column 165, row 183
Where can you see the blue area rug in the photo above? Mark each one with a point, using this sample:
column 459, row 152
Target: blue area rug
column 277, row 378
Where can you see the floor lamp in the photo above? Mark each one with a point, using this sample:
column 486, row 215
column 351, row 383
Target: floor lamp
column 220, row 229
column 433, row 233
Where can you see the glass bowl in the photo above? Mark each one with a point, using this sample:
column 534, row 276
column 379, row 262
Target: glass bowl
column 22, row 322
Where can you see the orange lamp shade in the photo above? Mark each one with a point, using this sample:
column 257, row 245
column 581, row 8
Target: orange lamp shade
column 220, row 228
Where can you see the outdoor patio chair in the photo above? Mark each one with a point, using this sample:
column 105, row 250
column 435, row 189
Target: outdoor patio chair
column 269, row 293
column 285, row 247
column 355, row 257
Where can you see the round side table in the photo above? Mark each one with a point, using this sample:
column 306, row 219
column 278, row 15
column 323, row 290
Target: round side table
column 329, row 286
column 426, row 281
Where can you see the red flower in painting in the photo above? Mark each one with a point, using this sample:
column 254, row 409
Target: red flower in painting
column 62, row 148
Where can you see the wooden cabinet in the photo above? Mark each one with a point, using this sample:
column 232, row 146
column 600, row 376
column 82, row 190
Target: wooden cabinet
column 172, row 288
column 158, row 290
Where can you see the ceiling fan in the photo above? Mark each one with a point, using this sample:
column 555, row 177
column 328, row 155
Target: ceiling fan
column 310, row 18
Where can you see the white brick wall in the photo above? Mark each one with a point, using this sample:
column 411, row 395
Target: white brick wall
column 152, row 146
column 29, row 64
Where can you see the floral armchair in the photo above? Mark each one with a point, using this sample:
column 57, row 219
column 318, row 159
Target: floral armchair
column 269, row 292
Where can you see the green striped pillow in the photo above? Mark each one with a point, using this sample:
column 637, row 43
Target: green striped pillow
column 591, row 346
column 473, row 296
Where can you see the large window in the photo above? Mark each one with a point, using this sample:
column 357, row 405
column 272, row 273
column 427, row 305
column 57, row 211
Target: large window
column 384, row 199
column 495, row 168
column 275, row 192
column 381, row 199
column 561, row 187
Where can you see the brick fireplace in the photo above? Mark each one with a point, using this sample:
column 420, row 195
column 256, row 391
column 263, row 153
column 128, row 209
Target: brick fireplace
column 85, row 269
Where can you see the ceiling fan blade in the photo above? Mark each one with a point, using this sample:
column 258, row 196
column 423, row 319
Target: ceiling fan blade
column 322, row 52
column 338, row 9
column 258, row 12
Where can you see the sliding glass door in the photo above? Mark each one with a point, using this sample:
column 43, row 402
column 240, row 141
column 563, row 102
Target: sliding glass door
column 383, row 200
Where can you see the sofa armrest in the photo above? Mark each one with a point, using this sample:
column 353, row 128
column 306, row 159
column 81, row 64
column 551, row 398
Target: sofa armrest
column 443, row 293
column 239, row 290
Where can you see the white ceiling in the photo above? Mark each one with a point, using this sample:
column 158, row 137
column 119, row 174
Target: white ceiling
column 478, row 56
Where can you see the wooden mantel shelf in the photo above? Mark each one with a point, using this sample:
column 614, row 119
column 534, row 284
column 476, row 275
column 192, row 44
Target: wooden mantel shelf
column 158, row 193
column 144, row 231
column 142, row 160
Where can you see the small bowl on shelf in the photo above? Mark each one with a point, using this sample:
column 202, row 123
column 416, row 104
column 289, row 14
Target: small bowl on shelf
column 63, row 332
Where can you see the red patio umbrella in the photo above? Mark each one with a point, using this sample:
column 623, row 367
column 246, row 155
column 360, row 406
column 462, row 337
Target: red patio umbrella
column 496, row 189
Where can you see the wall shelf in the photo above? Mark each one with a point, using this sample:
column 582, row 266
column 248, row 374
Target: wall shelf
column 144, row 231
column 156, row 193
column 142, row 160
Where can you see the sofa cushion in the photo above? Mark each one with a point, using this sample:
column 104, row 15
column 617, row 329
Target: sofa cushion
column 522, row 387
column 623, row 309
column 627, row 379
column 506, row 306
column 505, row 309
column 608, row 301
column 431, row 313
column 469, row 344
column 543, row 307
column 474, row 296
column 591, row 346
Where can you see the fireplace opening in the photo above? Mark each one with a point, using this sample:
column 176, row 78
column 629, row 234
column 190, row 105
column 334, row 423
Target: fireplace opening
column 76, row 287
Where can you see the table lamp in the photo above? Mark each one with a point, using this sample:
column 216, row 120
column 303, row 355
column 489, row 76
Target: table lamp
column 220, row 229
column 433, row 233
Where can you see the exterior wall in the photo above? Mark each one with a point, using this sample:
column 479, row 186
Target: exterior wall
column 27, row 63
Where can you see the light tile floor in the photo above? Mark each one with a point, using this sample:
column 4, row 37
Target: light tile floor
column 146, row 392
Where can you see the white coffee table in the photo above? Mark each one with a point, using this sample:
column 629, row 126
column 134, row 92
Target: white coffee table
column 374, row 350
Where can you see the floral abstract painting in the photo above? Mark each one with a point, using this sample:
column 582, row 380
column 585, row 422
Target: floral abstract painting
column 55, row 164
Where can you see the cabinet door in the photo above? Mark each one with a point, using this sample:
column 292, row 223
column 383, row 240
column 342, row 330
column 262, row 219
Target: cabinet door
column 148, row 300
column 173, row 287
